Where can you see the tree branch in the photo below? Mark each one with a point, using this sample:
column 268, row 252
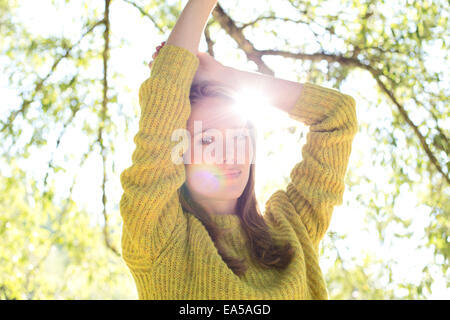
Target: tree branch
column 209, row 41
column 405, row 116
column 55, row 235
column 144, row 13
column 102, row 125
column 256, row 56
column 272, row 17
column 58, row 141
column 236, row 33
column 39, row 84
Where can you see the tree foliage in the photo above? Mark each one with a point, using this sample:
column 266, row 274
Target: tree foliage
column 64, row 83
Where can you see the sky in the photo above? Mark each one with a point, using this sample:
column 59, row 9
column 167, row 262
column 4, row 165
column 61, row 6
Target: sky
column 130, row 61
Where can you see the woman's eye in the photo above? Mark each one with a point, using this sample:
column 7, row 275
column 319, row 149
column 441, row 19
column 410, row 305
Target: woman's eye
column 242, row 136
column 210, row 139
column 207, row 140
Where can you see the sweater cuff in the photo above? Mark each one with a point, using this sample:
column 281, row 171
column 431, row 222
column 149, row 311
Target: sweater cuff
column 316, row 103
column 175, row 64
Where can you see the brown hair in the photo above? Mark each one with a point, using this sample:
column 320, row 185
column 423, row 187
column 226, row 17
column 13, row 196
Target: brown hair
column 262, row 246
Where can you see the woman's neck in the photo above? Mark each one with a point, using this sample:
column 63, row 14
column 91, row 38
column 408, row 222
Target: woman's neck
column 215, row 207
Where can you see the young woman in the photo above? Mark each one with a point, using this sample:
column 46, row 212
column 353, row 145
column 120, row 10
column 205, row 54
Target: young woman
column 193, row 230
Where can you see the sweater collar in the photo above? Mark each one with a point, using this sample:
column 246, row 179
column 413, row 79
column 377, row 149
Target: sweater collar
column 226, row 220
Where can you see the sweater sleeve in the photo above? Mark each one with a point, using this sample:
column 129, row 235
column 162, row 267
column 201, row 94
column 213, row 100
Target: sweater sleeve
column 149, row 206
column 317, row 182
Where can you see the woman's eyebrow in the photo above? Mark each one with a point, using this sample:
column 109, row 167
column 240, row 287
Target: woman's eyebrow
column 195, row 134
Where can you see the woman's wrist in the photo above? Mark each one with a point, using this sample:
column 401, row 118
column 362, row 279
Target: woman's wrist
column 191, row 24
column 230, row 77
column 237, row 79
column 280, row 93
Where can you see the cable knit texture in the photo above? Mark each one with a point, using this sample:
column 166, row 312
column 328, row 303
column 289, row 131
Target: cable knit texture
column 170, row 253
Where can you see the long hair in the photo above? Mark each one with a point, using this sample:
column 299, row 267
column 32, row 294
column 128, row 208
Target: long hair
column 262, row 247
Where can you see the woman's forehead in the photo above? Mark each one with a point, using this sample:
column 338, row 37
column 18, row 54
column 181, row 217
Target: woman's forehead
column 215, row 116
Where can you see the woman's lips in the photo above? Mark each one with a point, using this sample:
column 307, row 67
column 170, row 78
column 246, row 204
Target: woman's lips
column 231, row 173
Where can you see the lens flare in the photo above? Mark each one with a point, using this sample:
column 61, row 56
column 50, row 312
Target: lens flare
column 252, row 103
column 207, row 179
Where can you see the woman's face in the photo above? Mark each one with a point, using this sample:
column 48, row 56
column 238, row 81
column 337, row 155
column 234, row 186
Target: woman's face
column 220, row 145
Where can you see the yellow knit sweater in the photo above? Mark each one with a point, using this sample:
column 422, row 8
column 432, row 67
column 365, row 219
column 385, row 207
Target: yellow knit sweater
column 170, row 253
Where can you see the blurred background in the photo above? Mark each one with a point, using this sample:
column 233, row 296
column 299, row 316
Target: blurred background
column 69, row 80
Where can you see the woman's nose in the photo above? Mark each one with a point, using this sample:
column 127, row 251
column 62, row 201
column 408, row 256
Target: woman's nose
column 229, row 155
column 235, row 152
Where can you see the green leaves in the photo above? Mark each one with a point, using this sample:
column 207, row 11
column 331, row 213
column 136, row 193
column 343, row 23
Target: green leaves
column 383, row 47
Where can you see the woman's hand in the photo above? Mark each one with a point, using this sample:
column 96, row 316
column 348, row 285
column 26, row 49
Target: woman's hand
column 156, row 53
column 208, row 69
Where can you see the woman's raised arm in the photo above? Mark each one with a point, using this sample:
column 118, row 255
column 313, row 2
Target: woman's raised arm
column 317, row 182
column 191, row 24
column 149, row 205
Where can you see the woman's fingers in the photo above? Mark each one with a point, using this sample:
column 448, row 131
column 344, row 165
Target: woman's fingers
column 157, row 51
column 155, row 54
